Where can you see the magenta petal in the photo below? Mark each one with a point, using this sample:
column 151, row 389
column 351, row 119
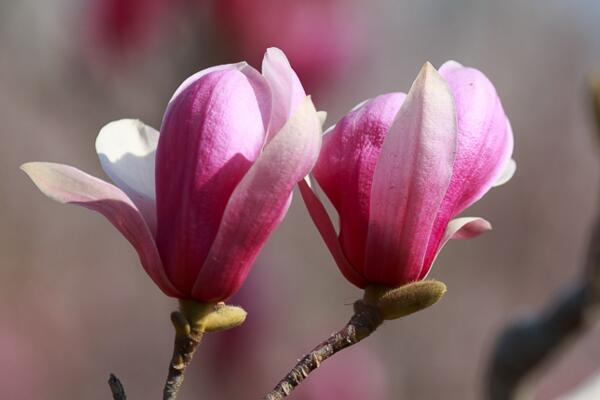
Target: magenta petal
column 459, row 228
column 410, row 180
column 484, row 144
column 212, row 132
column 286, row 88
column 327, row 230
column 69, row 185
column 195, row 77
column 346, row 166
column 258, row 204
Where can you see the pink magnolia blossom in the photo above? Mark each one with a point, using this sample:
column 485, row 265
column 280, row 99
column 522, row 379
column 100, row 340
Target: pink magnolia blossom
column 399, row 167
column 232, row 146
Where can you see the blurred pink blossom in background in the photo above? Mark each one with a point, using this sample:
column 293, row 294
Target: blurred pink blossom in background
column 322, row 38
column 119, row 28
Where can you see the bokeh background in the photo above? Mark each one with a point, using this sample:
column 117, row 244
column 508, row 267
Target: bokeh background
column 74, row 302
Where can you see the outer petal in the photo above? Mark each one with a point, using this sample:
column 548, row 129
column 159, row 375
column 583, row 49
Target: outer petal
column 326, row 229
column 411, row 178
column 322, row 117
column 460, row 228
column 485, row 139
column 258, row 204
column 286, row 88
column 66, row 184
column 346, row 166
column 260, row 86
column 127, row 149
column 485, row 144
column 507, row 173
column 195, row 77
column 212, row 133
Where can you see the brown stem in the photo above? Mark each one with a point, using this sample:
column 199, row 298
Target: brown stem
column 365, row 321
column 183, row 352
column 116, row 388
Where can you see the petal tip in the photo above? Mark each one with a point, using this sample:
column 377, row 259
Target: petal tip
column 450, row 65
column 26, row 166
column 429, row 79
column 322, row 116
column 274, row 51
column 507, row 173
column 33, row 169
column 275, row 55
column 427, row 69
column 468, row 227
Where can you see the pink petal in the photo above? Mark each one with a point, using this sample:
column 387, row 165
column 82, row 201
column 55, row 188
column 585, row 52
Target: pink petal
column 259, row 203
column 485, row 144
column 286, row 88
column 195, row 77
column 212, row 132
column 484, row 140
column 346, row 166
column 410, row 180
column 69, row 185
column 127, row 149
column 326, row 229
column 460, row 228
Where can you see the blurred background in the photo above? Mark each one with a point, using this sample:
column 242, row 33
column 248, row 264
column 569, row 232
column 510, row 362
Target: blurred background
column 75, row 303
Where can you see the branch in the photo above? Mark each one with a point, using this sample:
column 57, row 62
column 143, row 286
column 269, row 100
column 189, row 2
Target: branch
column 186, row 343
column 187, row 340
column 379, row 303
column 527, row 343
column 191, row 322
column 365, row 321
column 116, row 387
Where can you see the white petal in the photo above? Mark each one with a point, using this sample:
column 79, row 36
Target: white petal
column 126, row 149
column 287, row 91
column 322, row 116
column 507, row 173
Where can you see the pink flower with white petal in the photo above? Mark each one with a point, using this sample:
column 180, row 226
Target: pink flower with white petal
column 199, row 199
column 399, row 167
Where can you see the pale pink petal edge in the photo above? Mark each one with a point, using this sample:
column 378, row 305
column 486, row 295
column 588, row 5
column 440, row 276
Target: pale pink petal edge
column 461, row 228
column 69, row 185
column 321, row 219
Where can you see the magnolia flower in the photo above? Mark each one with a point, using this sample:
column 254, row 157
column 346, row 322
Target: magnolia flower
column 399, row 167
column 232, row 146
